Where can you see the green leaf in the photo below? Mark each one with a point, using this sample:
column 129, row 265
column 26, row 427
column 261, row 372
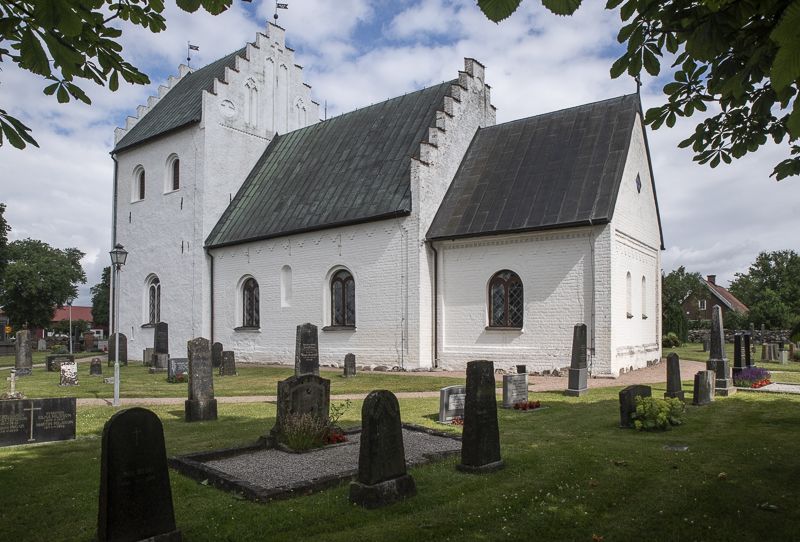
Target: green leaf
column 626, row 31
column 793, row 122
column 11, row 135
column 193, row 5
column 627, row 10
column 215, row 7
column 62, row 95
column 611, row 4
column 33, row 56
column 559, row 7
column 672, row 43
column 651, row 63
column 113, row 81
column 619, row 66
column 672, row 88
column 50, row 90
column 635, row 67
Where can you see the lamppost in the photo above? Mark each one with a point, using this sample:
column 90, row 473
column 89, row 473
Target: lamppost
column 118, row 257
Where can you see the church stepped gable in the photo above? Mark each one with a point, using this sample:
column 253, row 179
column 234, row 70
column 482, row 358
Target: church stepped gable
column 349, row 169
column 555, row 170
column 182, row 105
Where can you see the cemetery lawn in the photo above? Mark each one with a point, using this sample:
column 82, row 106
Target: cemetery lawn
column 571, row 474
column 137, row 382
column 39, row 357
column 694, row 352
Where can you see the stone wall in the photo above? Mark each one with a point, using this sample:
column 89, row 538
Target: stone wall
column 772, row 336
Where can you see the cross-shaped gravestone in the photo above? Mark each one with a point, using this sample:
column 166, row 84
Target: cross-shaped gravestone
column 13, row 379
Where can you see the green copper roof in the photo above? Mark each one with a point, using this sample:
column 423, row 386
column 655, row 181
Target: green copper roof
column 182, row 105
column 352, row 168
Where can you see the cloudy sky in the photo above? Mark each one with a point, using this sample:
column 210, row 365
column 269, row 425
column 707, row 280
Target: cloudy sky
column 358, row 52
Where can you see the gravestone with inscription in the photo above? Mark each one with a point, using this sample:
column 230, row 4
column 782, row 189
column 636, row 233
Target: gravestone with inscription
column 627, row 403
column 201, row 405
column 41, row 346
column 69, row 374
column 96, row 367
column 300, row 395
column 147, row 356
column 306, row 353
column 159, row 363
column 216, row 355
column 451, row 403
column 717, row 361
column 480, row 445
column 161, row 338
column 577, row 370
column 748, row 355
column 382, row 477
column 135, row 493
column 123, row 349
column 515, row 389
column 177, row 366
column 738, row 359
column 349, row 366
column 31, row 421
column 674, row 386
column 53, row 363
column 88, row 341
column 227, row 366
column 703, row 388
column 23, row 362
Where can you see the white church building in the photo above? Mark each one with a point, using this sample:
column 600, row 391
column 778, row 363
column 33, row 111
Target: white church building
column 415, row 232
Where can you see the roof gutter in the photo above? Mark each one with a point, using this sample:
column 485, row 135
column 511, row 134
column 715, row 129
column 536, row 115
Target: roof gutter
column 563, row 226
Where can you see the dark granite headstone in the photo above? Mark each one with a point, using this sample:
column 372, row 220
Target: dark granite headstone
column 96, row 367
column 228, row 365
column 674, row 387
column 123, row 349
column 216, row 355
column 53, row 362
column 161, row 339
column 69, row 374
column 480, row 447
column 515, row 389
column 201, row 405
column 627, row 403
column 349, row 366
column 382, row 478
column 160, row 363
column 301, row 395
column 748, row 355
column 703, row 388
column 28, row 421
column 577, row 370
column 738, row 359
column 717, row 361
column 135, row 493
column 451, row 403
column 177, row 366
column 306, row 353
column 23, row 362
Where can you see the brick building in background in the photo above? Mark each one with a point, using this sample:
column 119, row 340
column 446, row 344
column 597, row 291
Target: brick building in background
column 715, row 295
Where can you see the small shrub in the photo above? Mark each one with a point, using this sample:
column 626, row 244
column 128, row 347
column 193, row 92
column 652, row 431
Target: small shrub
column 796, row 355
column 653, row 414
column 302, row 431
column 337, row 411
column 750, row 376
column 58, row 349
column 670, row 340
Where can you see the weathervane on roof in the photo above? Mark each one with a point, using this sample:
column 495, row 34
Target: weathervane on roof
column 278, row 6
column 189, row 49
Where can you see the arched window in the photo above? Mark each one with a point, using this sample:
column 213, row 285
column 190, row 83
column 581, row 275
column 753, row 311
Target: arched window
column 250, row 304
column 154, row 300
column 628, row 296
column 141, row 184
column 343, row 299
column 506, row 304
column 176, row 174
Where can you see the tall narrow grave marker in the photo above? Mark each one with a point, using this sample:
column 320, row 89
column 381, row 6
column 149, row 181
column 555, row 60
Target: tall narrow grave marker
column 306, row 354
column 703, row 388
column 227, row 366
column 23, row 362
column 123, row 349
column 480, row 444
column 717, row 362
column 216, row 355
column 748, row 355
column 349, row 366
column 738, row 359
column 674, row 386
column 161, row 339
column 577, row 369
column 201, row 405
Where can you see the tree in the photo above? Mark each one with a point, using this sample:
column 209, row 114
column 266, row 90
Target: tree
column 62, row 326
column 100, row 295
column 771, row 289
column 4, row 229
column 743, row 55
column 38, row 280
column 65, row 40
column 676, row 288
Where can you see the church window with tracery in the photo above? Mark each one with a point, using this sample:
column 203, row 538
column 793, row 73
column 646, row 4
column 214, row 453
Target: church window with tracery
column 250, row 304
column 154, row 301
column 506, row 306
column 343, row 299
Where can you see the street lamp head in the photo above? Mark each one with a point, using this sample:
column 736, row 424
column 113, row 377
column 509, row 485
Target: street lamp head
column 118, row 256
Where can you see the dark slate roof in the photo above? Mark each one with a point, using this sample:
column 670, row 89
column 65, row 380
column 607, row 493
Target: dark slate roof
column 554, row 170
column 349, row 169
column 181, row 106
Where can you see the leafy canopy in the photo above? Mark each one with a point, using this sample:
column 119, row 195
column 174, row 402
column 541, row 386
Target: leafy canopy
column 38, row 280
column 68, row 40
column 743, row 55
column 101, row 293
column 676, row 288
column 771, row 289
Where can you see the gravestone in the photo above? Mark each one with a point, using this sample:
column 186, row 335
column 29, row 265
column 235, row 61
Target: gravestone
column 480, row 443
column 738, row 359
column 674, row 386
column 717, row 361
column 748, row 356
column 784, row 357
column 763, row 334
column 161, row 338
column 227, row 366
column 160, row 363
column 23, row 362
column 753, row 338
column 29, row 421
column 88, row 341
column 349, row 366
column 123, row 349
column 201, row 405
column 764, row 353
column 627, row 403
column 135, row 493
column 703, row 388
column 300, row 395
column 216, row 355
column 515, row 389
column 69, row 374
column 53, row 363
column 41, row 346
column 306, row 352
column 705, row 345
column 382, row 477
column 177, row 366
column 774, row 352
column 577, row 370
column 96, row 367
column 147, row 356
column 522, row 369
column 451, row 403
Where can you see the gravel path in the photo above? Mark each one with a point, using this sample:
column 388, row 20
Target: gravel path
column 274, row 468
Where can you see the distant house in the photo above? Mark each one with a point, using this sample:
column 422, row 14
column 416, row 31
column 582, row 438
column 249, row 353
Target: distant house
column 78, row 313
column 715, row 295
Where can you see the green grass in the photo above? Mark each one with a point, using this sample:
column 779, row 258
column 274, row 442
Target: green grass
column 561, row 480
column 694, row 352
column 39, row 357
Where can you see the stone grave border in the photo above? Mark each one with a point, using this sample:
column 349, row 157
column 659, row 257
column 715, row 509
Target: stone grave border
column 766, row 389
column 194, row 467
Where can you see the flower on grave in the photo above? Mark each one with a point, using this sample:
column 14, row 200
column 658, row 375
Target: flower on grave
column 525, row 406
column 458, row 421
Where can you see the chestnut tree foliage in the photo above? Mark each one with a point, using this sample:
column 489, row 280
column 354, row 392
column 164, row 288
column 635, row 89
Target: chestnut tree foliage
column 742, row 55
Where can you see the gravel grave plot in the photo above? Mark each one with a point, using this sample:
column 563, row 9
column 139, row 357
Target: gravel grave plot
column 274, row 468
column 776, row 387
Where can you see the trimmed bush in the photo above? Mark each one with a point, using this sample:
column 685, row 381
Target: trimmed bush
column 654, row 414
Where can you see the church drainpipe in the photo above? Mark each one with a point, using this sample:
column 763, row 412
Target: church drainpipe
column 211, row 300
column 435, row 305
column 591, row 249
